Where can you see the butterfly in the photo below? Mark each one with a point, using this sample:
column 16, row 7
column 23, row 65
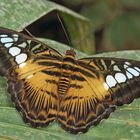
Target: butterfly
column 46, row 86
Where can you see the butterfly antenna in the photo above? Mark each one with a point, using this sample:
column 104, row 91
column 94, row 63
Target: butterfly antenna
column 29, row 33
column 63, row 27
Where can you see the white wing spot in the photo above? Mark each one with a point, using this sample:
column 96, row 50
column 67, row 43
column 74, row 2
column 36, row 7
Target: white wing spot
column 127, row 63
column 110, row 81
column 138, row 69
column 129, row 75
column 6, row 40
column 23, row 45
column 3, row 35
column 116, row 68
column 29, row 41
column 133, row 71
column 7, row 45
column 21, row 58
column 106, row 86
column 120, row 77
column 15, row 39
column 15, row 35
column 14, row 51
column 112, row 62
column 125, row 66
column 103, row 63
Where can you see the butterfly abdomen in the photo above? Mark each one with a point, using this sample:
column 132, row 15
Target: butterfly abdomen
column 63, row 84
column 67, row 69
column 64, row 81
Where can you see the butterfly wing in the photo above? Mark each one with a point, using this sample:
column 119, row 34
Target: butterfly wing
column 96, row 88
column 30, row 68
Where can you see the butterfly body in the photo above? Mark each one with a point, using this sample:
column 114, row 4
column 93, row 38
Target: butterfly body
column 67, row 68
column 46, row 86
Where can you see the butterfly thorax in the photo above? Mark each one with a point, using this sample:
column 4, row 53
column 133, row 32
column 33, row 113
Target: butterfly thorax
column 67, row 68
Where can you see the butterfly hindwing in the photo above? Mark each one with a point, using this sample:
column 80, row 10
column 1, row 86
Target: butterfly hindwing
column 97, row 87
column 35, row 98
column 23, row 62
column 82, row 106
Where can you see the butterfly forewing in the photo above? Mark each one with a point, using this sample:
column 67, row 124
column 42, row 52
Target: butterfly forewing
column 121, row 77
column 46, row 86
column 23, row 62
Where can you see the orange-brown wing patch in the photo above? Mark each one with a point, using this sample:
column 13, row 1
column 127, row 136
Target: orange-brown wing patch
column 82, row 106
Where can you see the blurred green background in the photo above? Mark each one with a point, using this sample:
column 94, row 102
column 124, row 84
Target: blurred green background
column 115, row 23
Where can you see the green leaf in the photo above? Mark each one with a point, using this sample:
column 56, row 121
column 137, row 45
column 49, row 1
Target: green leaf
column 6, row 138
column 18, row 14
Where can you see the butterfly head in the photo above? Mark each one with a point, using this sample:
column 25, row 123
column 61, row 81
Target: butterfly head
column 71, row 52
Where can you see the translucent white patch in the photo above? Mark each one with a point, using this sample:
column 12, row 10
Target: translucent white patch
column 103, row 63
column 21, row 58
column 3, row 35
column 127, row 63
column 23, row 45
column 110, row 81
column 30, row 76
column 6, row 40
column 29, row 41
column 129, row 75
column 106, row 86
column 22, row 65
column 112, row 62
column 116, row 68
column 7, row 45
column 138, row 69
column 15, row 39
column 14, row 51
column 15, row 35
column 133, row 71
column 120, row 77
column 125, row 66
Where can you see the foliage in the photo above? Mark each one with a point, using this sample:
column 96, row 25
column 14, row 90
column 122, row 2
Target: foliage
column 115, row 23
